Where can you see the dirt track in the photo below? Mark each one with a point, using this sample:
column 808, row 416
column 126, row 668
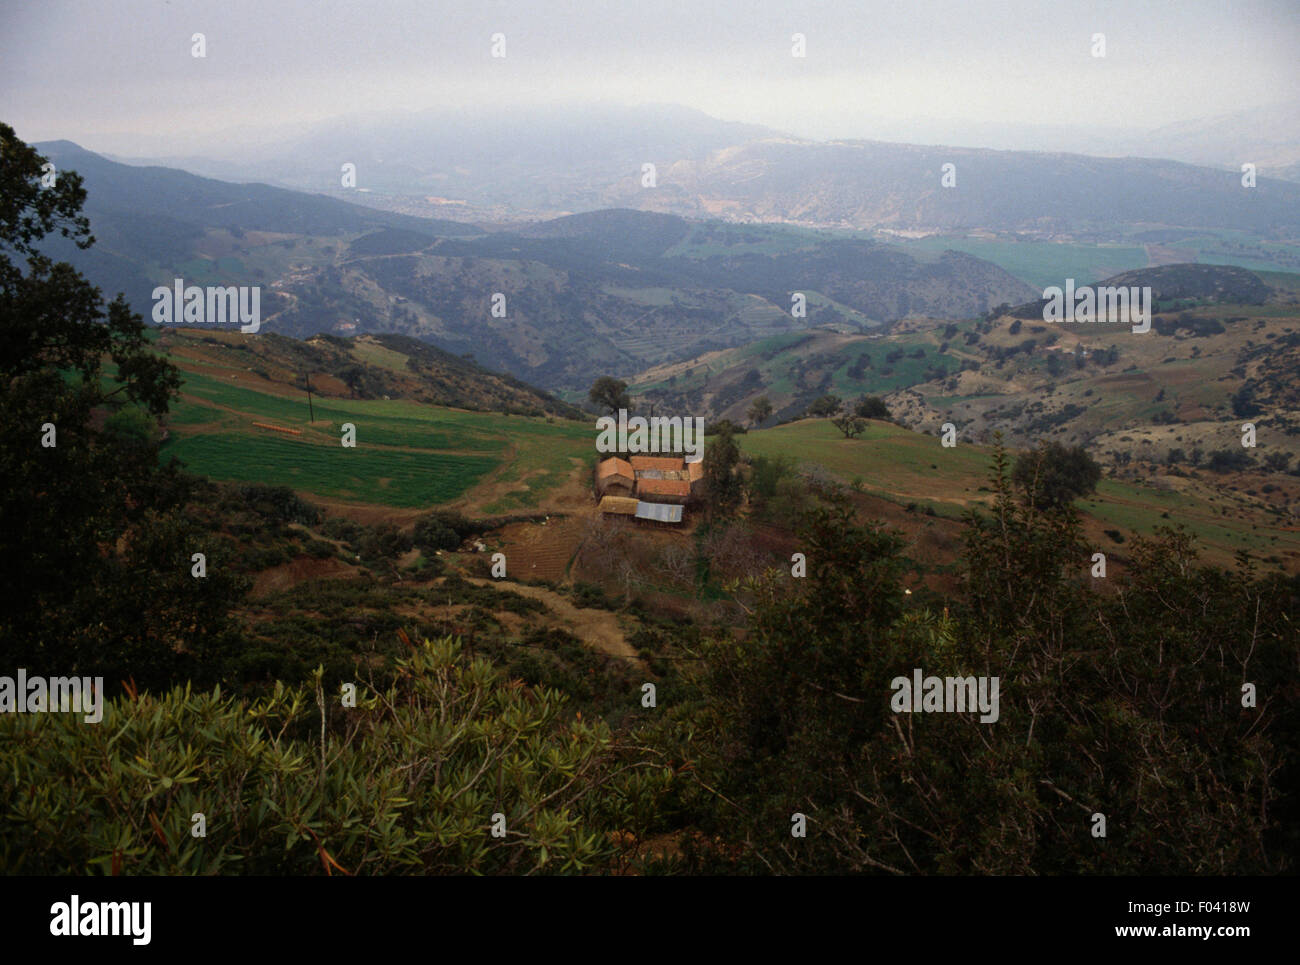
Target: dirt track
column 598, row 628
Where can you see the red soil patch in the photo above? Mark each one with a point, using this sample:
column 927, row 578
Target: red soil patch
column 540, row 551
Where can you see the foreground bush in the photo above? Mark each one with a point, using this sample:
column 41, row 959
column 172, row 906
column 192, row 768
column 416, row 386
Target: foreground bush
column 406, row 782
column 1124, row 701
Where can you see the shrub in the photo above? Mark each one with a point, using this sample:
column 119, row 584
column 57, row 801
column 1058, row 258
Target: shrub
column 383, row 542
column 119, row 796
column 1229, row 460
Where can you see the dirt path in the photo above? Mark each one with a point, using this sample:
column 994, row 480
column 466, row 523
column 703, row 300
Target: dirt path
column 598, row 628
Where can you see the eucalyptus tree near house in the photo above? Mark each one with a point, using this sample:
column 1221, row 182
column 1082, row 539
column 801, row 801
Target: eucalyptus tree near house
column 610, row 393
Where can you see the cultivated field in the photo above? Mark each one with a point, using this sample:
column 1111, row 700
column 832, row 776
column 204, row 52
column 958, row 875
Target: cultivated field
column 407, row 455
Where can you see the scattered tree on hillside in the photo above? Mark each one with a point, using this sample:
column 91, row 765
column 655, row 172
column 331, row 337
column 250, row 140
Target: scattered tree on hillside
column 1277, row 461
column 760, row 411
column 871, row 407
column 827, row 405
column 723, row 485
column 353, row 376
column 1054, row 475
column 850, row 425
column 610, row 393
column 1229, row 460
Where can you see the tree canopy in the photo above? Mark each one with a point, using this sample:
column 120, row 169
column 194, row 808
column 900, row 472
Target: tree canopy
column 1055, row 475
column 95, row 552
column 609, row 393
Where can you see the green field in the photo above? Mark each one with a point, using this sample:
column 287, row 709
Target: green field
column 390, row 477
column 407, row 455
column 891, row 461
column 1042, row 263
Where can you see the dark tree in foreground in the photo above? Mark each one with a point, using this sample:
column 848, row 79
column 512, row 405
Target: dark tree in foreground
column 95, row 554
column 1055, row 475
column 1130, row 703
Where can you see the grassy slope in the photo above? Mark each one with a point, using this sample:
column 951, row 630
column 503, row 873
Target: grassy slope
column 906, row 467
column 410, row 455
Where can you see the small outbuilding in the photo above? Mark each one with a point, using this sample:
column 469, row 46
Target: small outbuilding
column 658, row 513
column 618, row 506
column 615, row 477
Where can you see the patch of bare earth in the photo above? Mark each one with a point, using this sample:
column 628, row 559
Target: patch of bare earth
column 288, row 575
column 597, row 628
column 541, row 551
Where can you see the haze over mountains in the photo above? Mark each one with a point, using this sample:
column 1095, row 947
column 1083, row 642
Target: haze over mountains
column 613, row 290
column 535, row 164
column 739, row 220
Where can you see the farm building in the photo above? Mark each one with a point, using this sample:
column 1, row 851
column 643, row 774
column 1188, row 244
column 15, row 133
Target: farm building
column 642, row 464
column 618, row 506
column 642, row 511
column 663, row 490
column 658, row 512
column 653, row 489
column 615, row 477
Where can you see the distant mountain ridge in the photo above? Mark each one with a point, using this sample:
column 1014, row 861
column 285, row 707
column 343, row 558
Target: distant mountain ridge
column 606, row 292
column 529, row 165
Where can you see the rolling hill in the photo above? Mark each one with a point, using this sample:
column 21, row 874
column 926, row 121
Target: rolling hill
column 364, row 367
column 246, row 426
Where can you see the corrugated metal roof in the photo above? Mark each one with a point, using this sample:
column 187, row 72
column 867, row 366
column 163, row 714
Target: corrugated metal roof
column 659, row 512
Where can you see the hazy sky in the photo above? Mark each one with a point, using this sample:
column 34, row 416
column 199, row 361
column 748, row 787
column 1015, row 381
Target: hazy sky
column 93, row 71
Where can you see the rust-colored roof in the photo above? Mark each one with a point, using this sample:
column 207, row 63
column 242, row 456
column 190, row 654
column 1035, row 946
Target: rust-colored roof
column 618, row 505
column 696, row 469
column 615, row 467
column 663, row 487
column 656, row 462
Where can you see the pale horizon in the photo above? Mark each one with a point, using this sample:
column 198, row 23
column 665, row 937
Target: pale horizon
column 1005, row 76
